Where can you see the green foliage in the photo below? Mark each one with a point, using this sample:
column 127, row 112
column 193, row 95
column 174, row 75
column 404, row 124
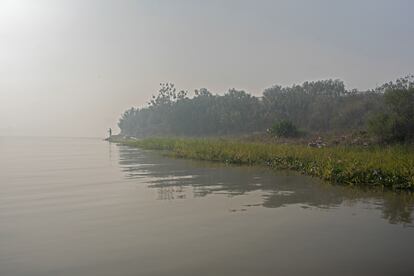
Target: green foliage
column 395, row 123
column 389, row 167
column 170, row 113
column 319, row 106
column 167, row 95
column 284, row 128
column 382, row 126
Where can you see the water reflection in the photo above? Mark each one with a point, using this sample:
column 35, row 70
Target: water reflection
column 180, row 179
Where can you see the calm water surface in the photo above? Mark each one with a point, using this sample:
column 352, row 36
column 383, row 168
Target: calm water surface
column 87, row 207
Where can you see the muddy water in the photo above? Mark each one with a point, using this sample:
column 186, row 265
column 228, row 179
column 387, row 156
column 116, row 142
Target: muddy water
column 71, row 206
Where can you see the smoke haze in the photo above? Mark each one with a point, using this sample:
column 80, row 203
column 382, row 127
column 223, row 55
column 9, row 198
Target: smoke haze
column 70, row 68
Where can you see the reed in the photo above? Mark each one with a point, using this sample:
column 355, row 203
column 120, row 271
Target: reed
column 378, row 166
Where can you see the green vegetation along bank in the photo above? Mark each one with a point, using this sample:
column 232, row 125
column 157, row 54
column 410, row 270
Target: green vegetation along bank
column 320, row 107
column 389, row 167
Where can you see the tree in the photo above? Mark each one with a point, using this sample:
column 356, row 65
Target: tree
column 318, row 106
column 396, row 122
column 167, row 95
column 284, row 129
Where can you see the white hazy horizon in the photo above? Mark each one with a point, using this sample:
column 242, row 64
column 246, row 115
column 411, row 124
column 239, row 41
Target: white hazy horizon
column 70, row 68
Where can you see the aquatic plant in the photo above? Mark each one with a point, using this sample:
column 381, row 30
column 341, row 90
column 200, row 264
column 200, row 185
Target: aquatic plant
column 388, row 167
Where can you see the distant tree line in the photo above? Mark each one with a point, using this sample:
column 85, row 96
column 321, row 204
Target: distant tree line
column 395, row 122
column 319, row 106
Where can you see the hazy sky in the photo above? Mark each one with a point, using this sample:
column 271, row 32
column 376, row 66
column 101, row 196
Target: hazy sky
column 69, row 68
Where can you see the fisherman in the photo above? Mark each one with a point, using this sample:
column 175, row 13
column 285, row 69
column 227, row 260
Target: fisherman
column 110, row 132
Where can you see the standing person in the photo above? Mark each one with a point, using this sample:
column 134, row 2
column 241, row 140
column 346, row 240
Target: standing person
column 110, row 132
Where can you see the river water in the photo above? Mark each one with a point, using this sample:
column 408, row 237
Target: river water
column 72, row 206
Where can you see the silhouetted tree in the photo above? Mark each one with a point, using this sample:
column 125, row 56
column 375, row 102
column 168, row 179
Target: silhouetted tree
column 312, row 106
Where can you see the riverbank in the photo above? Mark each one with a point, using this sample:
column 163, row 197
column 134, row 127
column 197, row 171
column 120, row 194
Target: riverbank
column 389, row 167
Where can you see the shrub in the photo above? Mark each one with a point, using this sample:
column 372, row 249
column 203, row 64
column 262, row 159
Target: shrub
column 396, row 122
column 382, row 126
column 284, row 129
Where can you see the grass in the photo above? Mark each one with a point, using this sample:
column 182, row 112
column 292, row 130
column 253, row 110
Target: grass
column 385, row 167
